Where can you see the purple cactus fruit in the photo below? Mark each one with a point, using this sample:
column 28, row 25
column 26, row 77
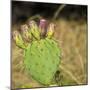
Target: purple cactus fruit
column 42, row 24
column 43, row 27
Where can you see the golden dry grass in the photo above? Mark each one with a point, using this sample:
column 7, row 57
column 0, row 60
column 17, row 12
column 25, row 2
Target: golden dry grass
column 72, row 39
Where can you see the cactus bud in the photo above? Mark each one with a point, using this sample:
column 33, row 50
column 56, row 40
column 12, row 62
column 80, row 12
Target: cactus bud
column 15, row 35
column 18, row 39
column 50, row 30
column 24, row 27
column 32, row 24
column 26, row 33
column 34, row 29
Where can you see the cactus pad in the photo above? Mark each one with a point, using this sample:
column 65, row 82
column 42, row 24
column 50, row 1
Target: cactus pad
column 42, row 54
column 42, row 60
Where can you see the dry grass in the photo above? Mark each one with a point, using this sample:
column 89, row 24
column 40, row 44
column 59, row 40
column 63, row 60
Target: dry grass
column 72, row 39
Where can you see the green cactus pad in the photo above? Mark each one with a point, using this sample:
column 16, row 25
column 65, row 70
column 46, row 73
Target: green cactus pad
column 42, row 60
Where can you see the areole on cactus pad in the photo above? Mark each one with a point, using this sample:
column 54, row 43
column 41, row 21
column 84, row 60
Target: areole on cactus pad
column 42, row 55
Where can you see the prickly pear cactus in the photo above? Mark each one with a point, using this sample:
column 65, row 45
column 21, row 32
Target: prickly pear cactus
column 42, row 54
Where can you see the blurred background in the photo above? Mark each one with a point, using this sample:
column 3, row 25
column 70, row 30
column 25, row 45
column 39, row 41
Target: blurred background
column 70, row 33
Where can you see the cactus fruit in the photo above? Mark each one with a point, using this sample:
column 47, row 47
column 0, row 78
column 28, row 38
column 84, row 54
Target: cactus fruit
column 43, row 27
column 34, row 29
column 50, row 31
column 42, row 55
column 18, row 39
column 25, row 33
